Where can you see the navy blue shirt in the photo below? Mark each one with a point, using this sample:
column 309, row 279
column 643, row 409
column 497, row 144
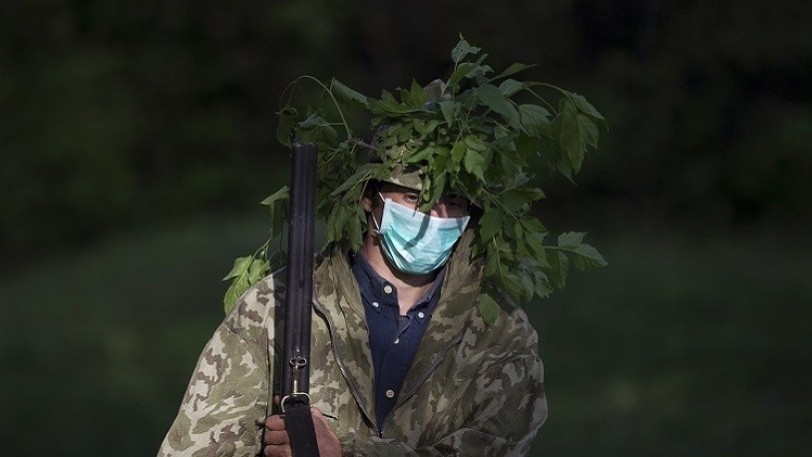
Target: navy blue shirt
column 393, row 338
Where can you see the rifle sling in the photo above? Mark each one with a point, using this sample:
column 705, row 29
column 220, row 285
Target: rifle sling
column 302, row 433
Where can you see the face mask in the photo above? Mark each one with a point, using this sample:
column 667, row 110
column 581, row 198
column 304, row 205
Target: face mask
column 415, row 242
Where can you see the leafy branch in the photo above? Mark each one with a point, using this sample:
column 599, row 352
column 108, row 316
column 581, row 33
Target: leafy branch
column 473, row 134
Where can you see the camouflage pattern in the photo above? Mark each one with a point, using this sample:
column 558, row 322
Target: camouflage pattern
column 473, row 389
column 408, row 178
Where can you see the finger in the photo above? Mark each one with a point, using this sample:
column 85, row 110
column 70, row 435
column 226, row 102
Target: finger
column 316, row 412
column 277, row 451
column 275, row 423
column 277, row 400
column 276, row 438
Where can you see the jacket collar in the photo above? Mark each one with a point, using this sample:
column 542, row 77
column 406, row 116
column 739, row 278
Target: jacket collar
column 338, row 294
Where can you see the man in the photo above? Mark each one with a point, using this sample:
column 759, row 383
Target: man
column 416, row 348
column 402, row 361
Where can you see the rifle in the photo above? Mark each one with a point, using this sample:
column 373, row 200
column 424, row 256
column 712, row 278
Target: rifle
column 299, row 294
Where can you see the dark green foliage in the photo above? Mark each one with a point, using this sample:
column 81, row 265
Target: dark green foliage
column 474, row 135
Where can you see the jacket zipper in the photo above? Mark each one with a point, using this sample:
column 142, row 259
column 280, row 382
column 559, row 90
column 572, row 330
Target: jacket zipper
column 425, row 377
column 342, row 367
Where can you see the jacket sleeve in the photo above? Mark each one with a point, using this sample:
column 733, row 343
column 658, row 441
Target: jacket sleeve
column 225, row 403
column 508, row 406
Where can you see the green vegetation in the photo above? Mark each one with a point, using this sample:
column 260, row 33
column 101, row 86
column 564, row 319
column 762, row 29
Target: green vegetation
column 119, row 117
column 677, row 348
column 480, row 134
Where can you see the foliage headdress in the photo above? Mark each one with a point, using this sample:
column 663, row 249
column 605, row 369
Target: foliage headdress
column 473, row 134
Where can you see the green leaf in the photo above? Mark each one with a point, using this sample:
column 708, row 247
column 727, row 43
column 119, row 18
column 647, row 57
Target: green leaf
column 437, row 189
column 346, row 93
column 463, row 70
column 462, row 49
column 527, row 286
column 257, row 270
column 314, row 120
column 511, row 87
column 447, row 107
column 277, row 204
column 238, row 287
column 355, row 227
column 457, row 154
column 474, row 142
column 571, row 138
column 246, row 272
column 542, row 284
column 280, row 195
column 589, row 131
column 570, row 240
column 335, row 224
column 360, row 176
column 513, row 286
column 491, row 261
column 475, row 163
column 490, row 223
column 587, row 257
column 532, row 224
column 515, row 199
column 494, row 99
column 417, row 95
column 559, row 265
column 534, row 242
column 535, row 118
column 513, row 69
column 241, row 265
column 426, row 128
column 489, row 309
column 388, row 106
column 518, row 231
column 565, row 168
column 585, row 107
column 424, row 155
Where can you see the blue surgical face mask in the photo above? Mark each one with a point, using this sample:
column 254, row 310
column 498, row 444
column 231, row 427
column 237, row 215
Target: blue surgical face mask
column 415, row 242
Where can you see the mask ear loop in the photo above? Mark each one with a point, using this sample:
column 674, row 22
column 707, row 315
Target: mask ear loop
column 377, row 226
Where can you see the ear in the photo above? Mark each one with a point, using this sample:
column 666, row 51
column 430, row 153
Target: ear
column 366, row 202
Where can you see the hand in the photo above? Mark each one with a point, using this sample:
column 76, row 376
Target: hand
column 276, row 442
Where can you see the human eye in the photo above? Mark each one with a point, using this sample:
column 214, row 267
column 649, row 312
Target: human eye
column 457, row 202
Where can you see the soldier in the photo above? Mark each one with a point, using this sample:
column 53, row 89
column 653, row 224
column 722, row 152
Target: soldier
column 405, row 360
column 402, row 360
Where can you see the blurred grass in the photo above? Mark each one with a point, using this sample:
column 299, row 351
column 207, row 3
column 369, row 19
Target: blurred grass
column 100, row 346
column 678, row 348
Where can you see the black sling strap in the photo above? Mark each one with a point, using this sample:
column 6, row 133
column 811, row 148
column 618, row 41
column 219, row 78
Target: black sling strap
column 299, row 424
column 299, row 294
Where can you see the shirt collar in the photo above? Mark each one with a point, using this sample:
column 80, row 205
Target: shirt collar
column 374, row 287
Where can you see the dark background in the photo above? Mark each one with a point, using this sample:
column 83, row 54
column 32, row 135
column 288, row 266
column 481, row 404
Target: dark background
column 137, row 138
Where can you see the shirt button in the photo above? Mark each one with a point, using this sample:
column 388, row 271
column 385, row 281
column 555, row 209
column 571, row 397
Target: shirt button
column 390, row 393
column 387, row 288
column 397, row 340
column 421, row 315
column 376, row 304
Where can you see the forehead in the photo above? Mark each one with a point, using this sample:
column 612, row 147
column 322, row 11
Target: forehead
column 390, row 188
column 394, row 188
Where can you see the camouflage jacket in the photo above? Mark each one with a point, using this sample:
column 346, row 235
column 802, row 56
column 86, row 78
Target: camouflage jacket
column 472, row 389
